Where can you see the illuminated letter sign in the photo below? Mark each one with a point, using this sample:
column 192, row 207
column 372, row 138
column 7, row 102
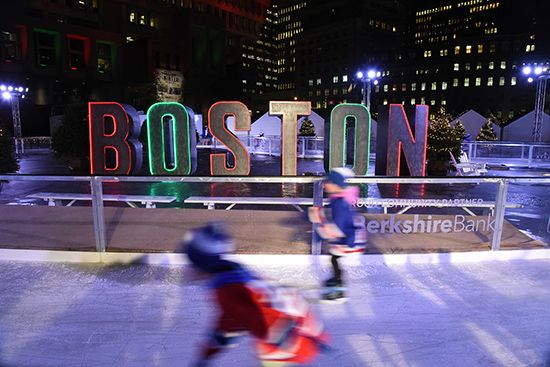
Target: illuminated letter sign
column 289, row 131
column 335, row 155
column 172, row 140
column 114, row 145
column 217, row 126
column 404, row 142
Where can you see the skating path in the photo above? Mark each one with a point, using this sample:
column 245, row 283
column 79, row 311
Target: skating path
column 483, row 314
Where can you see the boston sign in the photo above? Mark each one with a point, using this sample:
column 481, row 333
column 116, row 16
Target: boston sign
column 115, row 148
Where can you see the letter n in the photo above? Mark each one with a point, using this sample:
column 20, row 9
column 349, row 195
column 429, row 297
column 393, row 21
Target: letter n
column 401, row 139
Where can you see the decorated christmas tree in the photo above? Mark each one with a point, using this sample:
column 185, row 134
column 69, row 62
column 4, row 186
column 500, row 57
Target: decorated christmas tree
column 460, row 130
column 307, row 128
column 8, row 162
column 487, row 133
column 443, row 138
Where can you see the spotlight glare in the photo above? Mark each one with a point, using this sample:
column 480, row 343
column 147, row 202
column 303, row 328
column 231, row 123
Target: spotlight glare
column 538, row 70
column 10, row 88
column 530, row 80
column 6, row 96
column 371, row 74
column 359, row 75
column 527, row 70
column 2, row 87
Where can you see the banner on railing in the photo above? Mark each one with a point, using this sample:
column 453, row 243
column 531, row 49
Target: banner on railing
column 115, row 148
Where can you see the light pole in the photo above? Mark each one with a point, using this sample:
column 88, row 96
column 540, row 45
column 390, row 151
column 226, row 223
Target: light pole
column 12, row 94
column 539, row 72
column 367, row 78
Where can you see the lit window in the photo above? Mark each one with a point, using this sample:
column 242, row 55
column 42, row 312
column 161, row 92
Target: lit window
column 335, row 79
column 492, row 48
column 132, row 17
column 434, row 85
column 478, row 82
column 455, row 82
column 385, row 87
column 503, row 65
column 467, row 66
column 413, row 100
column 423, row 86
column 318, row 93
column 457, row 67
column 479, row 49
column 432, row 102
column 319, row 81
column 403, row 87
column 491, row 65
column 385, row 101
column 443, row 85
column 344, row 78
column 104, row 57
column 443, row 102
column 479, row 66
column 142, row 19
column 490, row 81
column 310, row 82
column 501, row 81
column 513, row 81
column 334, row 91
column 468, row 49
column 327, row 92
column 466, row 82
column 423, row 100
column 457, row 50
column 413, row 87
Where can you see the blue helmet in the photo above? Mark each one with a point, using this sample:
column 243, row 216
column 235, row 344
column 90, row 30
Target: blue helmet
column 206, row 245
column 339, row 175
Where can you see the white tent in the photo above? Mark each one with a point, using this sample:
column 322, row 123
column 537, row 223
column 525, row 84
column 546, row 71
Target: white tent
column 271, row 125
column 473, row 122
column 522, row 128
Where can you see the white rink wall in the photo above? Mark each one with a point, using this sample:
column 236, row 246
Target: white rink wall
column 410, row 314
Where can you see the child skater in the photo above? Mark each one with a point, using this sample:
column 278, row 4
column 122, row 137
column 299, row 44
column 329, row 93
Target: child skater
column 341, row 226
column 285, row 329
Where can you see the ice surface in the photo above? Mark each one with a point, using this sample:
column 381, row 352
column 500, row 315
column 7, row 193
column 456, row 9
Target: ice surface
column 488, row 314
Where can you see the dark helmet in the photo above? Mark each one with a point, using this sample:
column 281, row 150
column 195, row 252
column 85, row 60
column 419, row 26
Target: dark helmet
column 206, row 245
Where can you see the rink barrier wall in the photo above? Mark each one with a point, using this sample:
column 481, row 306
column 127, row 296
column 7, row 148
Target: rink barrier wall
column 96, row 188
column 166, row 259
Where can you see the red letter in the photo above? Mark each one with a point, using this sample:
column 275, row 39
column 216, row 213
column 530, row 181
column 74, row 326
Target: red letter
column 104, row 142
column 401, row 136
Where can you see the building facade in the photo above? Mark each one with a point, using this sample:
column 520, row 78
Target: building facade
column 468, row 54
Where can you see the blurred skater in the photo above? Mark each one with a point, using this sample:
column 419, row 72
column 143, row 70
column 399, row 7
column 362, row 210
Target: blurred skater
column 286, row 330
column 342, row 226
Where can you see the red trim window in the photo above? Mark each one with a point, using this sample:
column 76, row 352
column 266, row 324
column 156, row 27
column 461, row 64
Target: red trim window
column 78, row 52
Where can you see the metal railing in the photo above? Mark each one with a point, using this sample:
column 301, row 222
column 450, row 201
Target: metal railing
column 307, row 147
column 514, row 154
column 96, row 185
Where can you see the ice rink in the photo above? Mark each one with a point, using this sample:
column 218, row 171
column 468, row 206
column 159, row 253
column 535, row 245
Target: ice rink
column 469, row 314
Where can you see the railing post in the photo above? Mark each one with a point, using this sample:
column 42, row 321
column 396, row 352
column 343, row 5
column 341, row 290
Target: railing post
column 97, row 209
column 316, row 242
column 470, row 150
column 530, row 159
column 522, row 151
column 500, row 206
column 475, row 151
